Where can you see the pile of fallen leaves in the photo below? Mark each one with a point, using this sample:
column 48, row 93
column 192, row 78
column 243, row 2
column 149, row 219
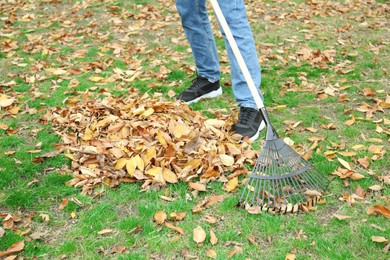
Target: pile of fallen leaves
column 148, row 140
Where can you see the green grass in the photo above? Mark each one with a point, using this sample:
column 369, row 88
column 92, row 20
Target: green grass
column 29, row 189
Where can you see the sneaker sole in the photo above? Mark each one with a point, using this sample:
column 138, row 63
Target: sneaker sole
column 261, row 127
column 211, row 94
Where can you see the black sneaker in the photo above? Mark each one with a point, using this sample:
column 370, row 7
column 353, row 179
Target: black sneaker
column 250, row 123
column 200, row 88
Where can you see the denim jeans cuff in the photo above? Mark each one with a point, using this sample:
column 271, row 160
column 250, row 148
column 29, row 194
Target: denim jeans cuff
column 250, row 105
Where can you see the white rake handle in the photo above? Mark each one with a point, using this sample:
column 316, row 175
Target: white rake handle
column 237, row 54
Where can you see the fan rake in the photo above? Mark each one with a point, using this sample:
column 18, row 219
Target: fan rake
column 281, row 179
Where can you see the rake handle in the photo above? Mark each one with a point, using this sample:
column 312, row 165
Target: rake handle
column 271, row 133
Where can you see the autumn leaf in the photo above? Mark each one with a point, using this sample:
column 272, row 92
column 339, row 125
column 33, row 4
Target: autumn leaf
column 160, row 217
column 169, row 176
column 226, row 159
column 14, row 248
column 213, row 237
column 105, row 231
column 63, row 204
column 379, row 239
column 199, row 235
column 382, row 210
column 175, row 228
column 341, row 217
column 344, row 163
column 231, row 185
column 236, row 250
column 211, row 254
column 197, row 186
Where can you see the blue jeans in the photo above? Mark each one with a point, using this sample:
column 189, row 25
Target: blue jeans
column 196, row 24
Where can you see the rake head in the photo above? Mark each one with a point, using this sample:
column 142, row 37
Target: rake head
column 281, row 179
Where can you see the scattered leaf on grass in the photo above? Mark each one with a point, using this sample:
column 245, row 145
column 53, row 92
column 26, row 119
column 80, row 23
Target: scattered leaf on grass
column 197, row 186
column 379, row 239
column 213, row 237
column 160, row 217
column 236, row 250
column 63, row 204
column 341, row 217
column 211, row 254
column 382, row 210
column 175, row 228
column 199, row 235
column 105, row 231
column 14, row 248
column 2, row 232
column 45, row 217
column 290, row 256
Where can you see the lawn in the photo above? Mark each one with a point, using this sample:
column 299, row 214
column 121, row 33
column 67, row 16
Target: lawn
column 87, row 106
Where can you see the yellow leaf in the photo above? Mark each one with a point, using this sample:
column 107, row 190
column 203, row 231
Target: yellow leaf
column 150, row 154
column 73, row 214
column 226, row 160
column 120, row 163
column 199, row 235
column 345, row 164
column 161, row 139
column 232, row 184
column 154, row 171
column 169, row 176
column 179, row 130
column 147, row 113
column 95, row 79
column 139, row 163
column 130, row 167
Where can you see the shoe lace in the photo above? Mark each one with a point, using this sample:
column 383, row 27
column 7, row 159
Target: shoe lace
column 246, row 115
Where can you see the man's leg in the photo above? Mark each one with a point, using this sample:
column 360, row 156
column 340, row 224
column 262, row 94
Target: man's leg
column 250, row 121
column 196, row 24
column 235, row 15
column 197, row 28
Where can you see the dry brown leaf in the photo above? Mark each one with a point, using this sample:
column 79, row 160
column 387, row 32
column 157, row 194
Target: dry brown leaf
column 2, row 232
column 376, row 187
column 346, row 164
column 199, row 235
column 379, row 239
column 160, row 217
column 63, row 204
column 356, row 176
column 236, row 250
column 290, row 256
column 341, row 217
column 227, row 160
column 211, row 254
column 105, row 231
column 14, row 248
column 213, row 237
column 197, row 186
column 382, row 210
column 169, row 176
column 175, row 228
